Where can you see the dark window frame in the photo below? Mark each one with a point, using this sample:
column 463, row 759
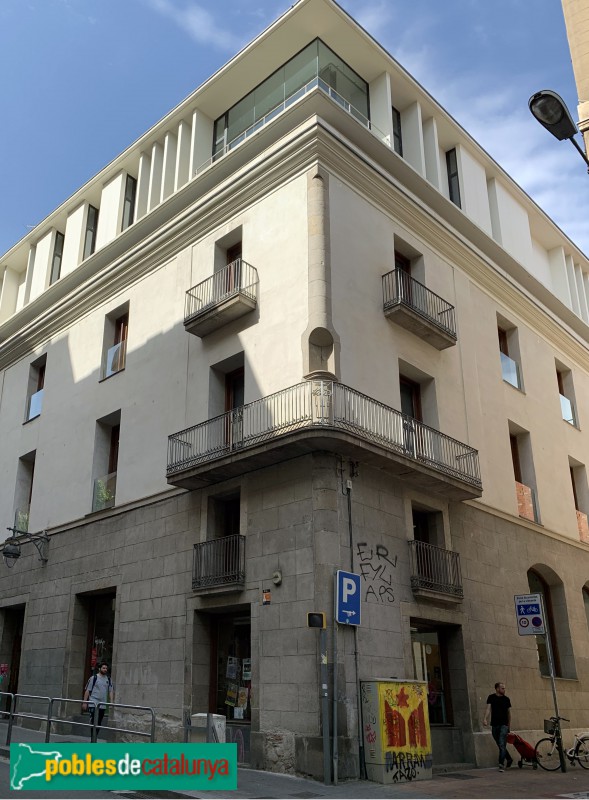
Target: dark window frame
column 397, row 132
column 129, row 203
column 453, row 177
column 57, row 257
column 91, row 230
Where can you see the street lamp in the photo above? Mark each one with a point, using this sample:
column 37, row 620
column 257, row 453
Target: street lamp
column 550, row 110
column 12, row 546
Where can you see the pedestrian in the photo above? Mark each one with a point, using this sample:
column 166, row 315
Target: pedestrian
column 99, row 690
column 499, row 709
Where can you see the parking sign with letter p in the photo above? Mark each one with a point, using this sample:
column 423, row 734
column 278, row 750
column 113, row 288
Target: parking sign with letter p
column 347, row 598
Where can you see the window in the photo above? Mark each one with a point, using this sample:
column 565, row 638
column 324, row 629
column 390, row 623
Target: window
column 129, row 202
column 564, row 380
column 57, row 257
column 35, row 388
column 524, row 473
column 543, row 580
column 316, row 65
column 509, row 353
column 410, row 397
column 90, row 235
column 453, row 181
column 580, row 489
column 586, row 602
column 116, row 330
column 106, row 461
column 397, row 134
column 24, row 490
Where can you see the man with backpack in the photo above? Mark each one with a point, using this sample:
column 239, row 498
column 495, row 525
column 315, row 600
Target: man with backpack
column 99, row 690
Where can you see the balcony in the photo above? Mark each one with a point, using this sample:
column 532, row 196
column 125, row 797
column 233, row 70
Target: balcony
column 219, row 565
column 527, row 507
column 105, row 490
column 414, row 307
column 227, row 295
column 34, row 405
column 567, row 410
column 114, row 360
column 435, row 572
column 510, row 371
column 322, row 415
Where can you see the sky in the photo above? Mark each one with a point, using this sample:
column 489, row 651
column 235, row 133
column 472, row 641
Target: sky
column 83, row 79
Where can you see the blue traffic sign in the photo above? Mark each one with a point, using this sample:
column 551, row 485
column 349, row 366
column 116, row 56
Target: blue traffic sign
column 347, row 598
column 529, row 614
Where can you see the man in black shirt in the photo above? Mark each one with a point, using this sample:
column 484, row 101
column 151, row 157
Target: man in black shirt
column 499, row 709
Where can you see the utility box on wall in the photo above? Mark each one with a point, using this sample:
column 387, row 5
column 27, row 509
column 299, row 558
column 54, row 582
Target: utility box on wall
column 397, row 739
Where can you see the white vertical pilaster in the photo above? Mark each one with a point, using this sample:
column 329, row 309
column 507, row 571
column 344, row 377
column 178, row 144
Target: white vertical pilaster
column 8, row 292
column 142, row 185
column 111, row 207
column 570, row 270
column 584, row 310
column 41, row 265
column 169, row 165
column 75, row 229
column 381, row 114
column 558, row 271
column 201, row 146
column 155, row 176
column 182, row 174
column 431, row 150
column 413, row 137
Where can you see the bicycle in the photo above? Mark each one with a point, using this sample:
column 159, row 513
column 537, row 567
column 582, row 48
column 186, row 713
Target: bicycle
column 547, row 749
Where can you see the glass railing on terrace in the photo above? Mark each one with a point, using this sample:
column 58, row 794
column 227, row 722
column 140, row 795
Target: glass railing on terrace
column 510, row 371
column 105, row 490
column 21, row 520
column 315, row 83
column 35, row 405
column 567, row 410
column 114, row 360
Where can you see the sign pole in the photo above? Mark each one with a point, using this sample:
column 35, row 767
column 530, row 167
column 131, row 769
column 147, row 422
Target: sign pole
column 335, row 749
column 325, row 706
column 563, row 765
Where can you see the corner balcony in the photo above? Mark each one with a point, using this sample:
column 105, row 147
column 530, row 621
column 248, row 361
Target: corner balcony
column 219, row 565
column 416, row 308
column 435, row 572
column 322, row 415
column 227, row 295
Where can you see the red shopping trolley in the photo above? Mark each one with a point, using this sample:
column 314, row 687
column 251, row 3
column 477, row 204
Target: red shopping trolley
column 526, row 750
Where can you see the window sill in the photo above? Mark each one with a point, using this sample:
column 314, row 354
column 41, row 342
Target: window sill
column 30, row 419
column 112, row 375
column 571, row 424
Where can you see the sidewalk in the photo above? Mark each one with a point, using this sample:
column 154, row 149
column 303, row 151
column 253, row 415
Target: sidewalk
column 474, row 783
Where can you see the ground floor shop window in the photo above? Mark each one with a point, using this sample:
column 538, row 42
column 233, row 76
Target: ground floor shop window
column 232, row 693
column 430, row 665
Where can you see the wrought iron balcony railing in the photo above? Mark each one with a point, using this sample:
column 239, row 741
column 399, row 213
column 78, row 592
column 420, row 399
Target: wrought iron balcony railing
column 236, row 278
column 219, row 562
column 324, row 405
column 399, row 288
column 435, row 569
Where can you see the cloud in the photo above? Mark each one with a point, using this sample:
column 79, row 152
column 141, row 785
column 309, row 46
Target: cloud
column 198, row 23
column 372, row 16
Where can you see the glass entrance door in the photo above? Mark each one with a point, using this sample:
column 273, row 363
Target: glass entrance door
column 429, row 665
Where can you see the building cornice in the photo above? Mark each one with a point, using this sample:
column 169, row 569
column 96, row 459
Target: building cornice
column 262, row 164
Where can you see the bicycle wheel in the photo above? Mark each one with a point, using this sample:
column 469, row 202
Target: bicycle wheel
column 582, row 752
column 547, row 754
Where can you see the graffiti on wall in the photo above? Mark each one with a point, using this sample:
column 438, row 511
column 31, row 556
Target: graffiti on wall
column 376, row 569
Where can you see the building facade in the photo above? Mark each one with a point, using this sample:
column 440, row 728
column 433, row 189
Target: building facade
column 304, row 324
column 576, row 16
